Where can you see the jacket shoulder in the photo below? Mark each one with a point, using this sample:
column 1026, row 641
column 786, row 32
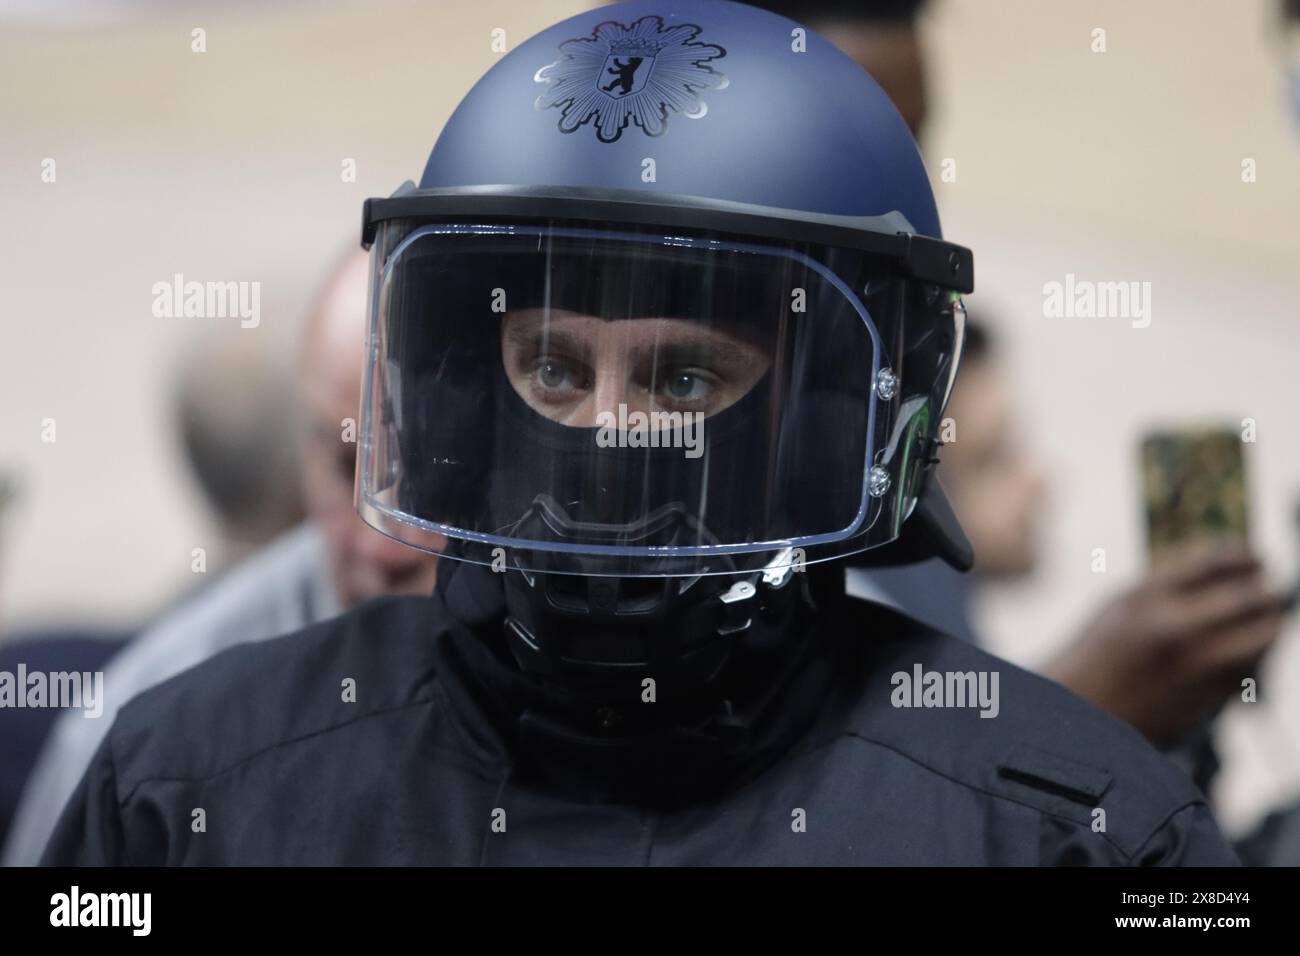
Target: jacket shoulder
column 254, row 697
column 991, row 726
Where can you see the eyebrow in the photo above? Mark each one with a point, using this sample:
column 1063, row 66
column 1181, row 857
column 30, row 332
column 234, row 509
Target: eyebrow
column 536, row 338
column 715, row 343
column 720, row 349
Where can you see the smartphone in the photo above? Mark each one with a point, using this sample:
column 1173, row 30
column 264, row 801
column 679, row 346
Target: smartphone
column 1194, row 485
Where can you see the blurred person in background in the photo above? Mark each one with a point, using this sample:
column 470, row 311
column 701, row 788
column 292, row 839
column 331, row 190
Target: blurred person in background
column 235, row 415
column 233, row 410
column 1163, row 655
column 310, row 573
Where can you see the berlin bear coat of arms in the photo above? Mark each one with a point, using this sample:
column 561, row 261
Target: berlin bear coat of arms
column 636, row 74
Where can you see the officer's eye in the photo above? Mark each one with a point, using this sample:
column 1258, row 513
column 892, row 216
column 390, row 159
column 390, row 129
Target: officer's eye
column 687, row 389
column 558, row 374
column 552, row 375
column 686, row 386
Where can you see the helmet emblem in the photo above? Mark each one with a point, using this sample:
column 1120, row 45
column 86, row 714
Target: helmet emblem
column 635, row 74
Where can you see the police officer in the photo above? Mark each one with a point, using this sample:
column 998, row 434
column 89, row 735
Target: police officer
column 661, row 339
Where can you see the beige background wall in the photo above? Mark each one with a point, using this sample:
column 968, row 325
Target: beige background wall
column 1116, row 166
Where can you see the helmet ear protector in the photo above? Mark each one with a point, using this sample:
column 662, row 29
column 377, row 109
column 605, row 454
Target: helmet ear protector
column 781, row 377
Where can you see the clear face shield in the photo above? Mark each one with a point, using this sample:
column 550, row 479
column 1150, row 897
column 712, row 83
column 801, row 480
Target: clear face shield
column 565, row 398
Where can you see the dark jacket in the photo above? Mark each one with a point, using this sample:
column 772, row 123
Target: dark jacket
column 255, row 757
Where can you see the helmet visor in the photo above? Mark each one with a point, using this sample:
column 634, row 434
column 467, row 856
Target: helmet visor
column 621, row 401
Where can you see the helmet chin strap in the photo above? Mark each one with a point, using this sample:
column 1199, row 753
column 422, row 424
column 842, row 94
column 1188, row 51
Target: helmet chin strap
column 608, row 645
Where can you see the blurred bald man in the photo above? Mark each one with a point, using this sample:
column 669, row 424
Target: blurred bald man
column 311, row 573
column 362, row 563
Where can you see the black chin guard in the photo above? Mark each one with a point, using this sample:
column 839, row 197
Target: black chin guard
column 611, row 642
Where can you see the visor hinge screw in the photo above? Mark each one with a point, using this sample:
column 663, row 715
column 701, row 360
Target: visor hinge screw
column 878, row 480
column 886, row 384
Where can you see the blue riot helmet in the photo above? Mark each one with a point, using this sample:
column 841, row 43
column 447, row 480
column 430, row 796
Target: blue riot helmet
column 669, row 302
